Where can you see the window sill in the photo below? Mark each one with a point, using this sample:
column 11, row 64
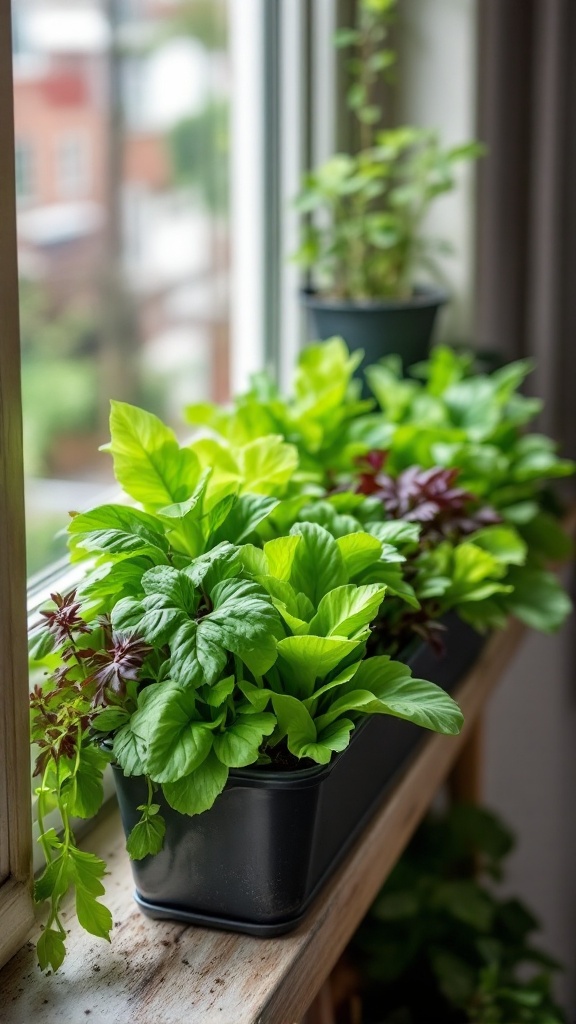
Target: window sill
column 166, row 973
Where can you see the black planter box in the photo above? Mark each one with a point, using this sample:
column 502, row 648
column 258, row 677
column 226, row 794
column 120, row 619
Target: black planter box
column 256, row 860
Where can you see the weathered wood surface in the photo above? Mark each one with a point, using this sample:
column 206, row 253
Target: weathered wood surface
column 162, row 973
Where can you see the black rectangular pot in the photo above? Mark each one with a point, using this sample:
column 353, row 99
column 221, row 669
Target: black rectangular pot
column 256, row 860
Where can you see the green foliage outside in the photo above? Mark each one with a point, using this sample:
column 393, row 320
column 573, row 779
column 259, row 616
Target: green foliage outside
column 59, row 375
column 42, row 334
column 60, row 397
column 204, row 20
column 199, row 150
column 45, row 539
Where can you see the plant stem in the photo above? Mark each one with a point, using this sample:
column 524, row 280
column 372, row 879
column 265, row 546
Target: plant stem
column 46, row 848
column 150, row 791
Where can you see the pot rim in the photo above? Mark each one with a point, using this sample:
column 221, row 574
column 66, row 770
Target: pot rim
column 299, row 778
column 305, row 776
column 423, row 296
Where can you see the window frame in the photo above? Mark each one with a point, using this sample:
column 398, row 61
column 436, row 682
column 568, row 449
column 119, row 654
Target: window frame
column 16, row 908
column 25, row 159
column 72, row 165
column 286, row 89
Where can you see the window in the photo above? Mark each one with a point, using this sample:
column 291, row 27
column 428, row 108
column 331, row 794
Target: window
column 71, row 166
column 124, row 234
column 15, row 900
column 24, row 170
column 154, row 252
column 158, row 151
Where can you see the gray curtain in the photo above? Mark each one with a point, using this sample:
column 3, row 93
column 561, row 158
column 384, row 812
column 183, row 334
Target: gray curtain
column 526, row 259
column 526, row 305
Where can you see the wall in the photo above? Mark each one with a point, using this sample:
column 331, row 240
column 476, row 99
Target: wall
column 531, row 724
column 437, row 75
column 529, row 778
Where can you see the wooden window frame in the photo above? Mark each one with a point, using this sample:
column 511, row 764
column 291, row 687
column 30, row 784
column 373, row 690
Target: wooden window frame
column 16, row 907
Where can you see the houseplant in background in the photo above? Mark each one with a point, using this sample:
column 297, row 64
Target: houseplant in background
column 363, row 241
column 214, row 668
column 441, row 944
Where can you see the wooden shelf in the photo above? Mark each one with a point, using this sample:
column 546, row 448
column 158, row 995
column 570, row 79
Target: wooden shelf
column 163, row 973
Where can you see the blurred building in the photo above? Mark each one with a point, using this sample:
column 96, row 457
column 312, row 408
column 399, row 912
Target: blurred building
column 99, row 91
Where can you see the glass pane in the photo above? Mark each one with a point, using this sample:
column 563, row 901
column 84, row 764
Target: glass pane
column 121, row 115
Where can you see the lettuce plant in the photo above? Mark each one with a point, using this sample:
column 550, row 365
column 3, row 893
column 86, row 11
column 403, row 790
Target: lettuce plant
column 449, row 451
column 446, row 416
column 475, row 424
column 429, row 576
column 242, row 604
column 193, row 645
column 323, row 416
column 451, row 417
column 469, row 558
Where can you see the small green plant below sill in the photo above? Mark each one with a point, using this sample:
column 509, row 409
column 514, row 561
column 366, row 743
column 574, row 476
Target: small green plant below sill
column 364, row 212
column 440, row 943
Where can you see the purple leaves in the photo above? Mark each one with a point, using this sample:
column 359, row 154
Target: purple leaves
column 119, row 663
column 114, row 661
column 430, row 497
column 64, row 621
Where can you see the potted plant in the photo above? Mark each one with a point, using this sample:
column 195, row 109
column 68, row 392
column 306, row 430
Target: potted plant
column 223, row 675
column 229, row 645
column 363, row 243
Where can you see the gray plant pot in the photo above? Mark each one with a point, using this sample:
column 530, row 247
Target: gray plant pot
column 392, row 326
